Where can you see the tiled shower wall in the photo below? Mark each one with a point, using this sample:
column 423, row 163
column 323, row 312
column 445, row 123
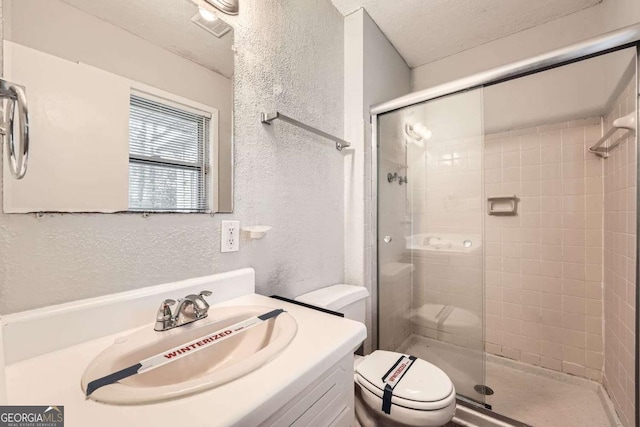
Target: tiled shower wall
column 544, row 266
column 619, row 264
column 445, row 190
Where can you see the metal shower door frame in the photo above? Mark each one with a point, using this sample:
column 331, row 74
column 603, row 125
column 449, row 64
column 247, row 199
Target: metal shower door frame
column 624, row 38
column 637, row 358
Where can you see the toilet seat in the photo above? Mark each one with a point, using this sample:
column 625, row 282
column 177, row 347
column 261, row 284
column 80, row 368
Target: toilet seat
column 424, row 387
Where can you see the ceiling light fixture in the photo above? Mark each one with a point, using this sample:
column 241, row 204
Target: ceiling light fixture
column 230, row 7
column 206, row 15
column 208, row 20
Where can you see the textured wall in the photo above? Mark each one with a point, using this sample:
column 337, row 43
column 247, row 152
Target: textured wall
column 289, row 58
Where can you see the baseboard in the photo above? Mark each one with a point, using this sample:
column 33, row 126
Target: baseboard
column 543, row 372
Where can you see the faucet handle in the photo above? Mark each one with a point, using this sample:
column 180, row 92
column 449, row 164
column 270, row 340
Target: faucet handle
column 164, row 317
column 200, row 305
column 165, row 309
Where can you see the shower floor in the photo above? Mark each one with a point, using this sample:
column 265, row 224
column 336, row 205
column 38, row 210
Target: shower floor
column 524, row 393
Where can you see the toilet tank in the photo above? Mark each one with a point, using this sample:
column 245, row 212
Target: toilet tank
column 349, row 300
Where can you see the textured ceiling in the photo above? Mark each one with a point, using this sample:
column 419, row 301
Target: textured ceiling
column 426, row 30
column 166, row 23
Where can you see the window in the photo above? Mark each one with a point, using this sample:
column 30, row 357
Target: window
column 169, row 165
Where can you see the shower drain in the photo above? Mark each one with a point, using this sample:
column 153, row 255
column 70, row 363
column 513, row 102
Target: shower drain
column 483, row 389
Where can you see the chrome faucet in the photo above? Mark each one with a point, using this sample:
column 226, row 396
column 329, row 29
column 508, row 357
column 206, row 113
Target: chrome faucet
column 189, row 309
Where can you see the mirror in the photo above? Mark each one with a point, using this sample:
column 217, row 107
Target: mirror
column 130, row 105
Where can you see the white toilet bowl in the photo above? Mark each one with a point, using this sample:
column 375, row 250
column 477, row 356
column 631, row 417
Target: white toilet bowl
column 424, row 397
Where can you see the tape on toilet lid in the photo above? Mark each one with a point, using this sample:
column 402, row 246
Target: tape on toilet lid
column 393, row 377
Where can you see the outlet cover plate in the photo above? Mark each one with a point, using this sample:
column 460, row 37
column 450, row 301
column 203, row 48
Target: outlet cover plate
column 230, row 236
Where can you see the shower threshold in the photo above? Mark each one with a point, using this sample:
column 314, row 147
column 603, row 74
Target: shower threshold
column 470, row 414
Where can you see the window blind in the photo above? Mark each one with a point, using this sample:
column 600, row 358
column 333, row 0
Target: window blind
column 168, row 158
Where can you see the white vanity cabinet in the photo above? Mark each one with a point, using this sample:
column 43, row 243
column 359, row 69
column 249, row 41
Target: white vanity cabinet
column 328, row 401
column 309, row 383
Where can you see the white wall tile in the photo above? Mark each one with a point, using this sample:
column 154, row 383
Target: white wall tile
column 619, row 186
column 554, row 318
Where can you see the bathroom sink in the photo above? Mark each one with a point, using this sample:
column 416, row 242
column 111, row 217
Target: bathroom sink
column 211, row 367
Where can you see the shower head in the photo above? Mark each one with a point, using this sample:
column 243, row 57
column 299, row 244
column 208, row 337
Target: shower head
column 418, row 133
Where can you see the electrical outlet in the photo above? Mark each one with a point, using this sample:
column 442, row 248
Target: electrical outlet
column 230, row 236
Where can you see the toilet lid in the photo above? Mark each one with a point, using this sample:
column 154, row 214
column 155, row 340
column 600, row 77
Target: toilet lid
column 422, row 383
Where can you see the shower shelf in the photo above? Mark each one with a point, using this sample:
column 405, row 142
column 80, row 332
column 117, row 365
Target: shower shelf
column 495, row 205
column 627, row 122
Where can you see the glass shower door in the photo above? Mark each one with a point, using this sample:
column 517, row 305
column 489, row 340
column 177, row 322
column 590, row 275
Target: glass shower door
column 430, row 246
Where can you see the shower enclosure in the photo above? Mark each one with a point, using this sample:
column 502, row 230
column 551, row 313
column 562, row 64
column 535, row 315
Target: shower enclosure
column 507, row 230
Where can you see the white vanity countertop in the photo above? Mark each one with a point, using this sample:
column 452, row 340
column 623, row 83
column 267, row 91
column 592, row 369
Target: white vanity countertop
column 321, row 341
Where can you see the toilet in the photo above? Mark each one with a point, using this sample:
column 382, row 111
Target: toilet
column 424, row 396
